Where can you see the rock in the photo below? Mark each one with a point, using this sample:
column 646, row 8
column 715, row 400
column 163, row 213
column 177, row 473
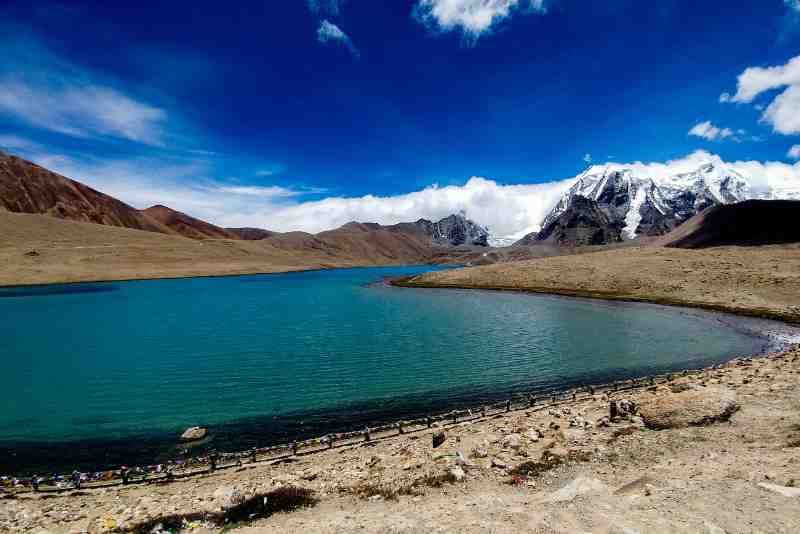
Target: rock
column 479, row 452
column 786, row 491
column 579, row 422
column 579, row 486
column 227, row 497
column 194, row 433
column 626, row 407
column 632, row 488
column 498, row 463
column 438, row 438
column 512, row 441
column 697, row 406
column 603, row 421
column 457, row 473
column 533, row 435
column 556, row 454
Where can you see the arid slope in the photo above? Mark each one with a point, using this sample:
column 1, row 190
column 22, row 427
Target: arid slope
column 28, row 188
column 761, row 280
column 36, row 249
column 187, row 225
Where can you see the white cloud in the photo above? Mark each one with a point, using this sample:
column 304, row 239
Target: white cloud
column 41, row 89
column 708, row 131
column 272, row 191
column 794, row 152
column 508, row 210
column 329, row 32
column 783, row 113
column 793, row 5
column 325, row 7
column 587, row 158
column 473, row 17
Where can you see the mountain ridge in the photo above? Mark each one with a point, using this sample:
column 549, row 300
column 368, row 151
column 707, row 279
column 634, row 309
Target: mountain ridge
column 649, row 204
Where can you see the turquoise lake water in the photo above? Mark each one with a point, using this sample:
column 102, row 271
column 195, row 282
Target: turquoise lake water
column 123, row 367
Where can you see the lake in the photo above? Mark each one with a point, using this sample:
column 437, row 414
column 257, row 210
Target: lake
column 101, row 374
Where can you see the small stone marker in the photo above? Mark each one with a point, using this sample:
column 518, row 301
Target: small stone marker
column 194, row 433
column 438, row 438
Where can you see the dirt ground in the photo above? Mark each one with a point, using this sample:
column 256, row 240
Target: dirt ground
column 761, row 281
column 558, row 470
column 36, row 249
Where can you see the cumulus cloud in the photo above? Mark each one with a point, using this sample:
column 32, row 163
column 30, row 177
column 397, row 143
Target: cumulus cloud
column 472, row 17
column 783, row 112
column 794, row 152
column 708, row 131
column 793, row 5
column 330, row 33
column 508, row 210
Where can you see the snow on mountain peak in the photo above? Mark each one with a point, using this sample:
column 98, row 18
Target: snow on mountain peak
column 651, row 199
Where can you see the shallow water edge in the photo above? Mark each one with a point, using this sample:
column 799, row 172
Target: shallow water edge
column 26, row 457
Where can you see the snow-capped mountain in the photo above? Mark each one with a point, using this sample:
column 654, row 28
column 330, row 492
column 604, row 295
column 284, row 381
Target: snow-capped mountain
column 641, row 203
column 455, row 230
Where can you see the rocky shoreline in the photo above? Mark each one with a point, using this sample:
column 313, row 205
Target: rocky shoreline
column 560, row 455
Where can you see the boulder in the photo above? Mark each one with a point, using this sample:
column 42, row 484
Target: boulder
column 226, row 497
column 194, row 433
column 692, row 407
column 438, row 438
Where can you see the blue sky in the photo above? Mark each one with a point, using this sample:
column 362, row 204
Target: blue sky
column 288, row 114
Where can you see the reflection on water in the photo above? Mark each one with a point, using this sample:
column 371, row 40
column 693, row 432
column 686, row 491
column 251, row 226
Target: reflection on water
column 56, row 289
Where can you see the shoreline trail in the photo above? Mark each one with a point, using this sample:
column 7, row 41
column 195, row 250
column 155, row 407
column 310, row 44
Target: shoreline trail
column 564, row 468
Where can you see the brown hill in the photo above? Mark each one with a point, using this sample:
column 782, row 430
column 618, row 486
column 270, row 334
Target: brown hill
column 187, row 225
column 748, row 223
column 251, row 234
column 37, row 249
column 28, row 188
column 374, row 242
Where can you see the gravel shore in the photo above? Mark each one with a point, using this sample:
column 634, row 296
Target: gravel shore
column 725, row 460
